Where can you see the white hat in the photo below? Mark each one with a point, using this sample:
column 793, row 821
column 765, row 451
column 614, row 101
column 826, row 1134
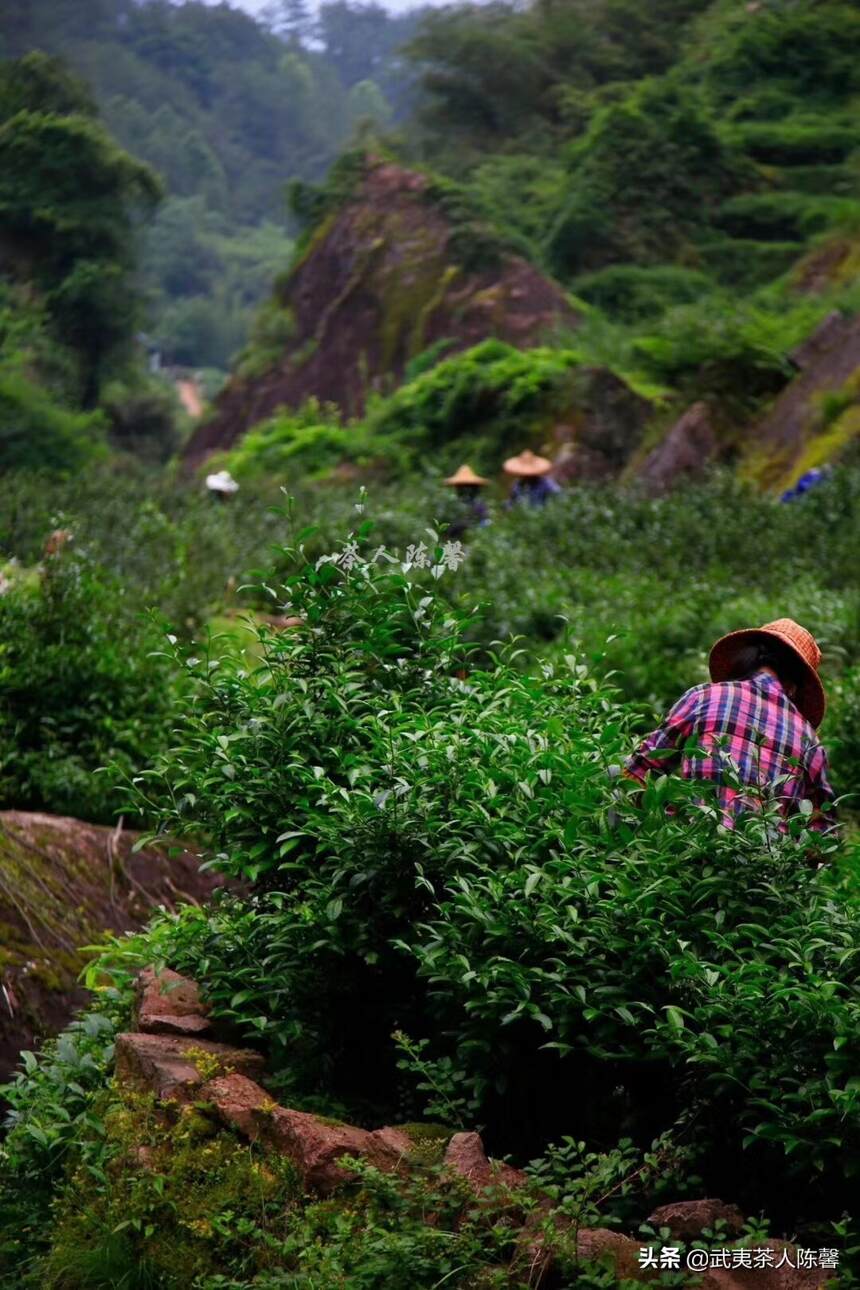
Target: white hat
column 222, row 482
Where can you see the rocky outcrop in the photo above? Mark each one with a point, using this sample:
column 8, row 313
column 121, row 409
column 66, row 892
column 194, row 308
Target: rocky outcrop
column 176, row 1070
column 63, row 884
column 465, row 1157
column 687, row 450
column 181, row 1070
column 169, row 1004
column 688, row 1219
column 394, row 270
column 817, row 416
column 768, row 1265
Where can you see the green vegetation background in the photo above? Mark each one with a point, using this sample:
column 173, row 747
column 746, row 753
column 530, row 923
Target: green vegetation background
column 420, row 792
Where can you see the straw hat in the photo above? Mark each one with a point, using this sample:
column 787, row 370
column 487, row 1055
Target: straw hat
column 465, row 475
column 527, row 464
column 809, row 700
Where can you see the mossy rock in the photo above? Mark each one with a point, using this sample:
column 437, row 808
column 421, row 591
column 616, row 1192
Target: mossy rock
column 63, row 884
column 429, row 1141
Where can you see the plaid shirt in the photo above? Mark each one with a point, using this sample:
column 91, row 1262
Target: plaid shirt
column 746, row 732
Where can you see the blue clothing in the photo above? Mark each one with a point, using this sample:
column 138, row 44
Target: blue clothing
column 536, row 491
column 805, row 483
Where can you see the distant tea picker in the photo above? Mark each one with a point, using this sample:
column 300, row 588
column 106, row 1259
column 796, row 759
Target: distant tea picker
column 221, row 485
column 533, row 486
column 532, row 474
column 472, row 510
column 751, row 731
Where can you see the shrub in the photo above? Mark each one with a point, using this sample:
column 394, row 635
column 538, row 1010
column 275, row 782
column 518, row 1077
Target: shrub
column 799, row 141
column 452, row 856
column 782, row 217
column 492, row 397
column 142, row 419
column 79, row 687
column 310, row 443
column 744, row 263
column 52, row 1120
column 718, row 348
column 631, row 292
column 807, row 51
column 642, row 179
column 38, row 434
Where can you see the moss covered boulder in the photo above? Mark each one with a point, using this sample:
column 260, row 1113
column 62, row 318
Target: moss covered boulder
column 817, row 417
column 64, row 883
column 394, row 268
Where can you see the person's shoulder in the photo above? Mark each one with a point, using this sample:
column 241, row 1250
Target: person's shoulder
column 709, row 693
column 692, row 697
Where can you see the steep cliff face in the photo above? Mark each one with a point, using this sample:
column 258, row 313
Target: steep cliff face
column 394, row 270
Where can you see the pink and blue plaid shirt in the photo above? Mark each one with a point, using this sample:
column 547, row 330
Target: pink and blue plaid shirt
column 742, row 732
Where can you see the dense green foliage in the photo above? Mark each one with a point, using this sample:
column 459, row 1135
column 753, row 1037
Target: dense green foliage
column 454, row 857
column 79, row 689
column 452, row 903
column 68, row 198
column 227, row 111
column 444, row 852
column 70, row 203
column 711, row 137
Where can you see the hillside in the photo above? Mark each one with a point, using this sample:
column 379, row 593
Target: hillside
column 227, row 110
column 472, row 1007
column 691, row 179
column 393, row 268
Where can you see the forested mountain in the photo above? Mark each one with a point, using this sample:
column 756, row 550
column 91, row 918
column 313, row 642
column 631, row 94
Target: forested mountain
column 690, row 172
column 716, row 137
column 70, row 203
column 673, row 165
column 227, row 110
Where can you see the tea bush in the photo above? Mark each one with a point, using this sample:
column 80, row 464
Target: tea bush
column 441, row 848
column 80, row 687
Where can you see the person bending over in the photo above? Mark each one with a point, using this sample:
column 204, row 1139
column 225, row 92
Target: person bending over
column 751, row 730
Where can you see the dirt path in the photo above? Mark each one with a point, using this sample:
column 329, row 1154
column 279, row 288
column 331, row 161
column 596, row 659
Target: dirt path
column 189, row 394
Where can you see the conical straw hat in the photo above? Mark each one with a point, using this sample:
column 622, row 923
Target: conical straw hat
column 526, row 464
column 465, row 475
column 809, row 700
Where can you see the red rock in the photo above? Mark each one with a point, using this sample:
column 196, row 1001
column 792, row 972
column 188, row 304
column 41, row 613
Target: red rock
column 240, row 1103
column 465, row 1156
column 687, row 449
column 168, row 1066
column 394, row 1140
column 83, row 880
column 169, row 1004
column 831, row 330
column 536, row 1261
column 600, row 1245
column 687, row 1219
column 829, row 363
column 773, row 1278
column 508, row 1176
column 316, row 1147
column 390, row 238
column 188, row 1026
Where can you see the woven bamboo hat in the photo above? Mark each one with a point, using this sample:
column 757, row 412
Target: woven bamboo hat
column 809, row 700
column 527, row 464
column 465, row 475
